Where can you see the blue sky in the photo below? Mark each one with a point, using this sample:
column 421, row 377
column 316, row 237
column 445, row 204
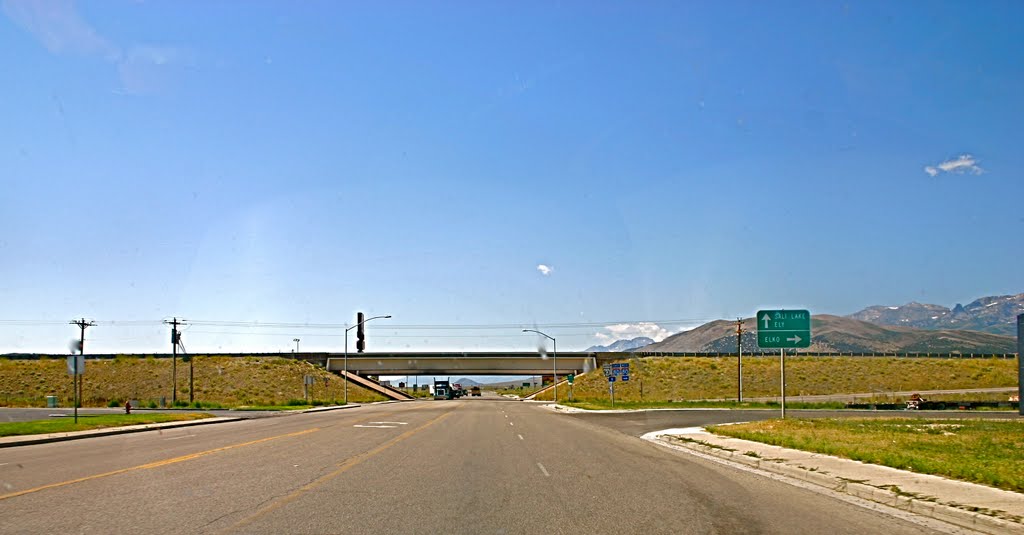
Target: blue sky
column 671, row 163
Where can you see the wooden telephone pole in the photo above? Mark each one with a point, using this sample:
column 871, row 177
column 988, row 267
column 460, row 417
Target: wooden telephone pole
column 175, row 341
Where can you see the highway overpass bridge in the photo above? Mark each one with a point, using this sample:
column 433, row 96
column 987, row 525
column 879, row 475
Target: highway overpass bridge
column 466, row 363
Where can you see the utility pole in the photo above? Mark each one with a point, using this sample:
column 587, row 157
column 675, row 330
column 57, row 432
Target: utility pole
column 77, row 385
column 175, row 340
column 739, row 360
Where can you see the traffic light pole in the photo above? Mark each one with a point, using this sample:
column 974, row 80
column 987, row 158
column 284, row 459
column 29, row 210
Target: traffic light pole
column 359, row 323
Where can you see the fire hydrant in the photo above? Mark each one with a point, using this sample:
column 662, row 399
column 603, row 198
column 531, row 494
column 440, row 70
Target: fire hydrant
column 127, row 407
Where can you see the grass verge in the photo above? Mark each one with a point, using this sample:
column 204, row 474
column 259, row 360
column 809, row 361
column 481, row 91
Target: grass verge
column 697, row 378
column 90, row 421
column 592, row 404
column 219, row 381
column 990, row 452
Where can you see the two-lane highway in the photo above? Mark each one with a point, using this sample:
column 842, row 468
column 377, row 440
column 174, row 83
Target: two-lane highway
column 463, row 466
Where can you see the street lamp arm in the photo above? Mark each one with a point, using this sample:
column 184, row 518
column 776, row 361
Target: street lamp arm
column 366, row 320
column 554, row 360
column 538, row 332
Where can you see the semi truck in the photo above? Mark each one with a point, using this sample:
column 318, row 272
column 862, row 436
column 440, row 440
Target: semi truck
column 442, row 390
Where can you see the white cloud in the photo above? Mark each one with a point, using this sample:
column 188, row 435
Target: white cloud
column 59, row 27
column 628, row 331
column 964, row 164
column 545, row 269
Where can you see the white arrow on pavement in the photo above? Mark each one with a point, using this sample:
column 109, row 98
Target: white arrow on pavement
column 765, row 319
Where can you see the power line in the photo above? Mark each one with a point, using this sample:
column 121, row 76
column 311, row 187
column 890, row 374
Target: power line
column 451, row 326
column 110, row 323
column 380, row 335
column 306, row 325
column 29, row 323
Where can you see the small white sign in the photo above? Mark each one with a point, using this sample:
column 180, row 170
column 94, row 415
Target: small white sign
column 71, row 364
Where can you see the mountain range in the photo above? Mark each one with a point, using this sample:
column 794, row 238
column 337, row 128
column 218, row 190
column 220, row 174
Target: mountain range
column 986, row 325
column 995, row 314
column 622, row 346
column 836, row 333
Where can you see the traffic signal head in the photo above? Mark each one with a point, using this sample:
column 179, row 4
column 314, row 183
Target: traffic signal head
column 360, row 335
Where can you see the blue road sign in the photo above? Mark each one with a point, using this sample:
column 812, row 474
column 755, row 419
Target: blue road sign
column 611, row 378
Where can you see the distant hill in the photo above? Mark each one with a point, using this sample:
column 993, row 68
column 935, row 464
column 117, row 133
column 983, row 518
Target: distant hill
column 995, row 314
column 836, row 333
column 621, row 346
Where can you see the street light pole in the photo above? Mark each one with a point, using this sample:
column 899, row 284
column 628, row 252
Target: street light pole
column 296, row 340
column 554, row 360
column 346, row 349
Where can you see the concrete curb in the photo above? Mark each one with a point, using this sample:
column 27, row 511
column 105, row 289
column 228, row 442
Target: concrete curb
column 27, row 440
column 946, row 513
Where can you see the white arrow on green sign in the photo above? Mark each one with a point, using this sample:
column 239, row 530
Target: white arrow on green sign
column 783, row 328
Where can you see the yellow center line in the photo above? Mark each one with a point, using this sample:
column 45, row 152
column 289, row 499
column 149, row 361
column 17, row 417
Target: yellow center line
column 342, row 468
column 155, row 464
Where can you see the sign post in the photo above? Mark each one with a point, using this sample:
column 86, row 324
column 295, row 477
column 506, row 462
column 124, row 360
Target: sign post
column 76, row 367
column 306, row 383
column 1020, row 364
column 783, row 329
column 616, row 371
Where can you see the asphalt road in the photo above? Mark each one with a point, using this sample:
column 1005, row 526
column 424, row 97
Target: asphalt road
column 464, row 466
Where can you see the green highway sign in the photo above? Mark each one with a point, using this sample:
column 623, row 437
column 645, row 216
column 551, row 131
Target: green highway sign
column 783, row 328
